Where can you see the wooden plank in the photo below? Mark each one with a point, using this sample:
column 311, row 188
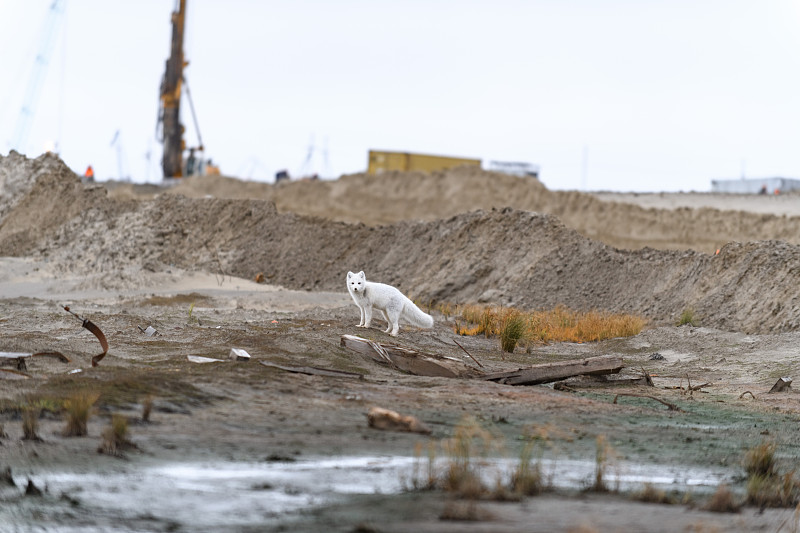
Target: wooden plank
column 407, row 359
column 14, row 359
column 545, row 373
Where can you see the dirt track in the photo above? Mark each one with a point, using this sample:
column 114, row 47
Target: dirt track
column 129, row 257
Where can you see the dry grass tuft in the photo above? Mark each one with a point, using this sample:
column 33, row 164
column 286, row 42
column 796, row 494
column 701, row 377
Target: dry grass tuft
column 688, row 317
column 115, row 437
column 760, row 460
column 30, row 422
column 78, row 408
column 429, row 479
column 527, row 479
column 557, row 325
column 147, row 408
column 512, row 329
column 722, row 501
column 765, row 486
column 604, row 458
column 651, row 494
column 464, row 511
column 462, row 476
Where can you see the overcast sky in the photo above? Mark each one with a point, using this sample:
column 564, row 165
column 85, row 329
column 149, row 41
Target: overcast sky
column 628, row 95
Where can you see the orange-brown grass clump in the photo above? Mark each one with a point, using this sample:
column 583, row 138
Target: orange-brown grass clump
column 765, row 486
column 30, row 422
column 557, row 325
column 722, row 501
column 462, row 476
column 78, row 408
column 115, row 437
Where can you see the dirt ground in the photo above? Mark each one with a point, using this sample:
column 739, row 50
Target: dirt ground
column 183, row 260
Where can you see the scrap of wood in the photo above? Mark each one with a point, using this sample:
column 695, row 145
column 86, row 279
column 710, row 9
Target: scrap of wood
column 648, row 380
column 548, row 372
column 466, row 352
column 781, row 385
column 670, row 406
column 7, row 373
column 594, row 381
column 380, row 418
column 56, row 355
column 15, row 359
column 315, row 371
column 690, row 388
column 408, row 359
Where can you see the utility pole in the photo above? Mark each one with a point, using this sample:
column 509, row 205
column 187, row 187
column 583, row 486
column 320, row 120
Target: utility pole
column 171, row 127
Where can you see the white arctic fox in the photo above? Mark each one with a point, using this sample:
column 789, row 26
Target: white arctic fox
column 386, row 299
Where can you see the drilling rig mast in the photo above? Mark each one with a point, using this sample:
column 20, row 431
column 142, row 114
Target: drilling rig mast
column 169, row 116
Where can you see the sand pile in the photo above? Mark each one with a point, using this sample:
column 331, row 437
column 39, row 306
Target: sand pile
column 396, row 196
column 499, row 256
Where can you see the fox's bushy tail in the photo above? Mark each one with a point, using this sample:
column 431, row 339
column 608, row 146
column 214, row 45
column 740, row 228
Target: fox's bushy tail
column 416, row 316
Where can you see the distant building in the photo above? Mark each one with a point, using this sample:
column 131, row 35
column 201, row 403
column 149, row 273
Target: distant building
column 755, row 185
column 515, row 168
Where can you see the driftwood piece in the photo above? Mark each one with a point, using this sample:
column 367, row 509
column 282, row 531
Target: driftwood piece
column 14, row 359
column 380, row 418
column 670, row 406
column 408, row 359
column 55, row 355
column 605, row 381
column 781, row 385
column 315, row 371
column 548, row 372
column 7, row 373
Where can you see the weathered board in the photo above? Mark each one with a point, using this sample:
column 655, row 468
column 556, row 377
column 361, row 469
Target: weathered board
column 548, row 372
column 408, row 359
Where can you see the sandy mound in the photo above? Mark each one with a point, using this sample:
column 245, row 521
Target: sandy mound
column 502, row 256
column 397, row 196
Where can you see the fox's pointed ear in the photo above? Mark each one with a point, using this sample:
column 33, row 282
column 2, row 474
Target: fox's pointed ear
column 361, row 275
column 349, row 274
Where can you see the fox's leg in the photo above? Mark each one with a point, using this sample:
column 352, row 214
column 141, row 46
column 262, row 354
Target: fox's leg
column 367, row 316
column 361, row 322
column 393, row 318
column 386, row 318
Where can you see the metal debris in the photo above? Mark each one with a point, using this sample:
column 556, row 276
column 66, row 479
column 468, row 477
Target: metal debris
column 150, row 331
column 201, row 359
column 97, row 333
column 237, row 354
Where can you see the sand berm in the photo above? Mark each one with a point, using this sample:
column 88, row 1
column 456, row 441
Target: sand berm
column 459, row 236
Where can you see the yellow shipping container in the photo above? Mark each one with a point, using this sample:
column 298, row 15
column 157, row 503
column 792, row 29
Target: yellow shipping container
column 380, row 161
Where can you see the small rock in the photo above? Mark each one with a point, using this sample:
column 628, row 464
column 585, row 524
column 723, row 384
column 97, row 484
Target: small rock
column 32, row 489
column 657, row 357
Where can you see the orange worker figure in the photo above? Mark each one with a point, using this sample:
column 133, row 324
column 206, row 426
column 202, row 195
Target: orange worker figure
column 89, row 174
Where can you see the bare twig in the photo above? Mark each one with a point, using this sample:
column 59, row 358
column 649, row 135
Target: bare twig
column 469, row 354
column 647, row 379
column 670, row 406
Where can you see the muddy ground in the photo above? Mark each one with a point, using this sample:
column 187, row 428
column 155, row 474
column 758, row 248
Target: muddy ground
column 183, row 260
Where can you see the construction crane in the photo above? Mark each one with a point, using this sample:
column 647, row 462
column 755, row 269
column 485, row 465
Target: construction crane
column 170, row 110
column 33, row 90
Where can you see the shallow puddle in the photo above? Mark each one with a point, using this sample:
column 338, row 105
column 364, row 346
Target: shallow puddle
column 210, row 495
